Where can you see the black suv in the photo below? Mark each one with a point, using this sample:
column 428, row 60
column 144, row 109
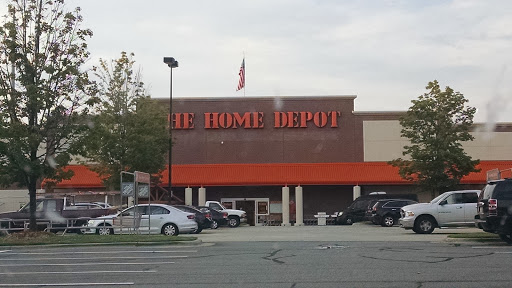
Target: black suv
column 356, row 211
column 203, row 219
column 495, row 209
column 386, row 212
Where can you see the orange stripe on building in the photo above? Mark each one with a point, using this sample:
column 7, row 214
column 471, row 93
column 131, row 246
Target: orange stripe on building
column 366, row 173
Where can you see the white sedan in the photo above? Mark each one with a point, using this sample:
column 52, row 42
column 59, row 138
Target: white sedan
column 144, row 218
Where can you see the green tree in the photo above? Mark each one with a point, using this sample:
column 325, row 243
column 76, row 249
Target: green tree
column 436, row 125
column 43, row 92
column 129, row 131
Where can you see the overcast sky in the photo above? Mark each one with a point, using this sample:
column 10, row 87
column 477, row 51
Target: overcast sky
column 384, row 52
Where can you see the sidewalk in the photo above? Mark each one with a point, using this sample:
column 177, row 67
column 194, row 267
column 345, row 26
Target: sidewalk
column 356, row 232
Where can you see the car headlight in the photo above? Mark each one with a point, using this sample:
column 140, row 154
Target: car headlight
column 90, row 222
column 340, row 213
column 409, row 213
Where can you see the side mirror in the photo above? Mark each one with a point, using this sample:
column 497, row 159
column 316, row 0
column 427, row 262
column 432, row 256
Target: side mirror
column 444, row 202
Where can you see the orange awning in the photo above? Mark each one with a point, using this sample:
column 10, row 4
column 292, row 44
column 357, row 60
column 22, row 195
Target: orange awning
column 364, row 173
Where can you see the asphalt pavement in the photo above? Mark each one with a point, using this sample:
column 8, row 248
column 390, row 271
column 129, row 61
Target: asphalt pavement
column 357, row 232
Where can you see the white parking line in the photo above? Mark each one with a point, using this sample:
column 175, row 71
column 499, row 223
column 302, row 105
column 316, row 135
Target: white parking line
column 96, row 252
column 491, row 247
column 85, row 264
column 77, row 272
column 66, row 284
column 89, row 258
column 3, row 251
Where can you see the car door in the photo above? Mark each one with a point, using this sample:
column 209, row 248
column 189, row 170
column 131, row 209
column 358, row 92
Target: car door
column 393, row 207
column 470, row 200
column 451, row 210
column 157, row 218
column 130, row 220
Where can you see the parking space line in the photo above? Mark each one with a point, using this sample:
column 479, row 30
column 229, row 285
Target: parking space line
column 84, row 264
column 4, row 251
column 97, row 252
column 87, row 258
column 67, row 284
column 77, row 272
column 491, row 247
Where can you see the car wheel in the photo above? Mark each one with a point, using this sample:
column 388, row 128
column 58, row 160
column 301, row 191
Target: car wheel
column 170, row 230
column 506, row 237
column 214, row 225
column 388, row 221
column 104, row 229
column 233, row 221
column 424, row 225
column 349, row 221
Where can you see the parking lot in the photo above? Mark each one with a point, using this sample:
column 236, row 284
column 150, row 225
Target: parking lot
column 361, row 255
column 357, row 232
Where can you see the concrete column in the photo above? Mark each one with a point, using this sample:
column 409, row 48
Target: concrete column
column 188, row 196
column 299, row 211
column 202, row 196
column 286, row 206
column 356, row 192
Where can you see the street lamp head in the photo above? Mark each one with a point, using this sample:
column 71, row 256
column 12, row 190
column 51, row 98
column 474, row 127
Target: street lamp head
column 171, row 62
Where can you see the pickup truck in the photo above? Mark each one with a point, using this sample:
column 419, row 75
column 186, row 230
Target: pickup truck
column 235, row 217
column 495, row 209
column 450, row 209
column 53, row 213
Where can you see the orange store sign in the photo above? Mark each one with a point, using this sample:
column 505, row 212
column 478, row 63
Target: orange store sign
column 254, row 120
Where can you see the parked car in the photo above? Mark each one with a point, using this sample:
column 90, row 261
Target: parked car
column 203, row 219
column 104, row 204
column 386, row 212
column 90, row 205
column 235, row 217
column 356, row 211
column 59, row 213
column 154, row 218
column 369, row 209
column 219, row 218
column 450, row 209
column 495, row 209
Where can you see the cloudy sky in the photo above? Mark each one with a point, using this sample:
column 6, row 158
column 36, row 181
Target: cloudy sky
column 384, row 52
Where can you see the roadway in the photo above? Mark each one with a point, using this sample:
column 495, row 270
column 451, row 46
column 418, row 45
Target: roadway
column 311, row 257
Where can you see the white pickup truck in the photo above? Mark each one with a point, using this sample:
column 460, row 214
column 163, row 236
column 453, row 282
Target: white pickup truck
column 450, row 209
column 235, row 217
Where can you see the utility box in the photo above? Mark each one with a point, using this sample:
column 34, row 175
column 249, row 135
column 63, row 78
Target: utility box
column 322, row 218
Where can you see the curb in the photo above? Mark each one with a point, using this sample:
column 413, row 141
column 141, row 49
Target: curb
column 176, row 243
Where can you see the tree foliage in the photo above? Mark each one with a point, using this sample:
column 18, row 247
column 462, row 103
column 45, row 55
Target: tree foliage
column 436, row 125
column 43, row 91
column 129, row 131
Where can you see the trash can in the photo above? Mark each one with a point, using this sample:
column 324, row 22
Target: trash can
column 322, row 218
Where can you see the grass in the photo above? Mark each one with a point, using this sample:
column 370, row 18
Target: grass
column 477, row 236
column 46, row 238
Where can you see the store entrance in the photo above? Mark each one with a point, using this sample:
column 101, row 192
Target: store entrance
column 248, row 207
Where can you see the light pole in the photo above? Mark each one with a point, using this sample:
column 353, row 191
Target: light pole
column 172, row 63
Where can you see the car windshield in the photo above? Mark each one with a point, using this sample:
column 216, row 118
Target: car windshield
column 435, row 200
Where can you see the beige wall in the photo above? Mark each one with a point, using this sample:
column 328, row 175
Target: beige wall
column 382, row 142
column 12, row 200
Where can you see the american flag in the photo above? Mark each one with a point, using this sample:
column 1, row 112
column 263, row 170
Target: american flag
column 241, row 81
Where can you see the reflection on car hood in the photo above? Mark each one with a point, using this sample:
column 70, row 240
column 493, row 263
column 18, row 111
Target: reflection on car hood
column 233, row 211
column 416, row 207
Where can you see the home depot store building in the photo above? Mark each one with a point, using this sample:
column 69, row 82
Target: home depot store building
column 257, row 153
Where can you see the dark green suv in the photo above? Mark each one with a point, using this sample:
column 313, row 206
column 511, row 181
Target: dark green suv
column 495, row 209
